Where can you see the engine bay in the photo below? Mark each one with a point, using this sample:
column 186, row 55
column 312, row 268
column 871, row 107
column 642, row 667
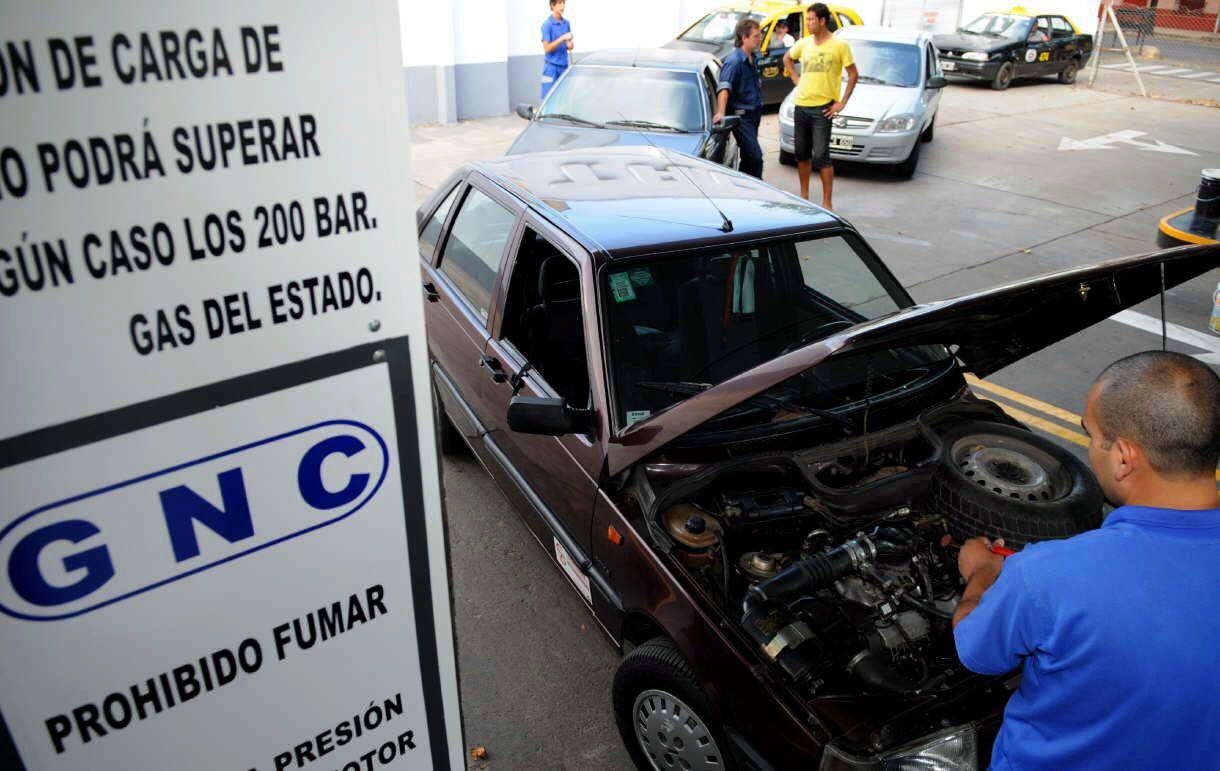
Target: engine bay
column 840, row 563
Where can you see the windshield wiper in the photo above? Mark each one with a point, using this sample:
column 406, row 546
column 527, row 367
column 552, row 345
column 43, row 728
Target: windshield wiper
column 871, row 79
column 771, row 404
column 648, row 124
column 571, row 118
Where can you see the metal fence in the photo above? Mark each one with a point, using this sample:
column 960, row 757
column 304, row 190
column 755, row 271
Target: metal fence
column 1173, row 44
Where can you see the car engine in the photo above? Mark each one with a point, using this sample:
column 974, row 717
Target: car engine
column 840, row 565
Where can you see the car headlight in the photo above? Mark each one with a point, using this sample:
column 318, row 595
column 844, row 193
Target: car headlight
column 896, row 123
column 976, row 56
column 787, row 111
column 954, row 749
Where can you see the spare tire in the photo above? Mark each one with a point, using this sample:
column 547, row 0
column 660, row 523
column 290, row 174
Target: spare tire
column 1005, row 482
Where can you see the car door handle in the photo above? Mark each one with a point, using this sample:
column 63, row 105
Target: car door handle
column 498, row 375
column 430, row 292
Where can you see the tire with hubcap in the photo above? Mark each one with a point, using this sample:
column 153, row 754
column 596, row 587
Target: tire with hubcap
column 1067, row 75
column 666, row 721
column 1003, row 76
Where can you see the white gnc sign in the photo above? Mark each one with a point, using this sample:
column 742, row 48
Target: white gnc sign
column 221, row 543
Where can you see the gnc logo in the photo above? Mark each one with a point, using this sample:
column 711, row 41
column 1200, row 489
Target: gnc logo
column 107, row 545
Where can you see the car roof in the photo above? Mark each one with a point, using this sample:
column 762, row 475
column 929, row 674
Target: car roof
column 887, row 34
column 663, row 58
column 626, row 201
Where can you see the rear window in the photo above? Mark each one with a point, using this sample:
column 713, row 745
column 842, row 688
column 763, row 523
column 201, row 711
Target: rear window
column 717, row 27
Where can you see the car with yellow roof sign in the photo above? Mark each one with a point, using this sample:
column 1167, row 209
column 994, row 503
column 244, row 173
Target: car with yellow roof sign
column 713, row 33
column 1001, row 46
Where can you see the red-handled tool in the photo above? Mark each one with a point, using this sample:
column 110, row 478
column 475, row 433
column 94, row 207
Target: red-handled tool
column 1003, row 551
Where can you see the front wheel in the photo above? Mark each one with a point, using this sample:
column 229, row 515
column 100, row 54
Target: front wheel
column 1067, row 75
column 664, row 718
column 906, row 169
column 1003, row 76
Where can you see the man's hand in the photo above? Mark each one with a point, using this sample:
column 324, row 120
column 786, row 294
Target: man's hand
column 717, row 118
column 569, row 43
column 834, row 109
column 566, row 37
column 976, row 555
column 980, row 567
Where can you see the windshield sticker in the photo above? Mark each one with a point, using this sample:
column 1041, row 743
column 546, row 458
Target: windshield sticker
column 641, row 276
column 635, row 416
column 620, row 285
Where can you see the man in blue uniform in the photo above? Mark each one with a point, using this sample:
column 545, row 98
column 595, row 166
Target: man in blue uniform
column 1114, row 630
column 556, row 45
column 739, row 92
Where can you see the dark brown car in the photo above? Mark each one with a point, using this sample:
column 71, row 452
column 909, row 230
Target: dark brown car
column 747, row 449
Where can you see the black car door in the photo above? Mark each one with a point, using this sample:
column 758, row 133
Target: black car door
column 1035, row 59
column 1064, row 44
column 775, row 83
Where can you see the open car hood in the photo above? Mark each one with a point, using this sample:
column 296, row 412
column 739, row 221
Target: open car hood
column 987, row 331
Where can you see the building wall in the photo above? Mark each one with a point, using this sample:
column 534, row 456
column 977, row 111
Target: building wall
column 477, row 58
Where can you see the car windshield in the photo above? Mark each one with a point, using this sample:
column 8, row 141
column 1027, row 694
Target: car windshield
column 680, row 324
column 887, row 64
column 1000, row 25
column 717, row 27
column 638, row 98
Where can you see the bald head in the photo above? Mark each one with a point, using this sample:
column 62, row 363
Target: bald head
column 1168, row 404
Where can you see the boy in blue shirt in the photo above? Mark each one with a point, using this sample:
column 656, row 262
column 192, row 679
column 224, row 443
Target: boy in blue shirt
column 1115, row 630
column 556, row 43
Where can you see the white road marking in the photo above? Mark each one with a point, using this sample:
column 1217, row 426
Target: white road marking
column 1175, row 71
column 1197, row 75
column 1127, row 137
column 1175, row 332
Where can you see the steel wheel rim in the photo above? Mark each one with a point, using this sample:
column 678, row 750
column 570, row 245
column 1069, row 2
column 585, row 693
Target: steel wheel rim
column 1010, row 468
column 671, row 734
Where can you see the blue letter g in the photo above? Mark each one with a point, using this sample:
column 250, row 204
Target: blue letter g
column 27, row 578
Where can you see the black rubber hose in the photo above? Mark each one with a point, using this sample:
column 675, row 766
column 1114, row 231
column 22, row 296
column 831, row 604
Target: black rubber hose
column 804, row 576
column 925, row 607
column 879, row 676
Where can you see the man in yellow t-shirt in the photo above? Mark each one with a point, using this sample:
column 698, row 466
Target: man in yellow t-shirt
column 823, row 58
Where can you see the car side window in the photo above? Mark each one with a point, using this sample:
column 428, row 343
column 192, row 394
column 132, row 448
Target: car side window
column 1060, row 27
column 709, row 83
column 844, row 20
column 431, row 233
column 543, row 317
column 475, row 248
column 931, row 64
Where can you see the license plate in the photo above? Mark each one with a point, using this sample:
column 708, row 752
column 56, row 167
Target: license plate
column 948, row 66
column 840, row 142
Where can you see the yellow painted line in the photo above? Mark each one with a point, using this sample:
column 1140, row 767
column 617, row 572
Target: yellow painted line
column 1182, row 235
column 1045, row 425
column 1033, row 420
column 1070, row 418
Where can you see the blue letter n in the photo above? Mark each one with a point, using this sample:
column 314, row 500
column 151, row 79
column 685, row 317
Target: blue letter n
column 182, row 506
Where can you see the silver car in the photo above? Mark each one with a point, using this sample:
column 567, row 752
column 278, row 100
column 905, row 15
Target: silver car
column 893, row 109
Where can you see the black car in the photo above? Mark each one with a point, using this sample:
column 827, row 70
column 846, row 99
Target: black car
column 998, row 47
column 633, row 96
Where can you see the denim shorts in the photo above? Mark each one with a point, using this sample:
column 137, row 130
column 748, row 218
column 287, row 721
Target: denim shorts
column 812, row 136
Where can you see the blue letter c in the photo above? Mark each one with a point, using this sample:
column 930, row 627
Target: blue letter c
column 309, row 473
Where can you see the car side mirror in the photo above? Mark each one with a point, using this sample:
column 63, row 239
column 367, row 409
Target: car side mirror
column 549, row 417
column 525, row 111
column 727, row 123
column 937, row 81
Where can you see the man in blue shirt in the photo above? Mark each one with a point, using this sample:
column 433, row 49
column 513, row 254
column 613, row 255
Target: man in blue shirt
column 740, row 92
column 1115, row 629
column 556, row 43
